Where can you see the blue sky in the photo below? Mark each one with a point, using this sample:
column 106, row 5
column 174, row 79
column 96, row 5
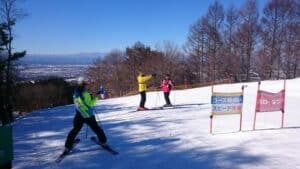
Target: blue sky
column 83, row 26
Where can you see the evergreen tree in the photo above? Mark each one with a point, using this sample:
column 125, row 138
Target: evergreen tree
column 9, row 13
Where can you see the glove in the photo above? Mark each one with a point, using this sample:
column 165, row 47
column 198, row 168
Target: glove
column 169, row 87
column 154, row 75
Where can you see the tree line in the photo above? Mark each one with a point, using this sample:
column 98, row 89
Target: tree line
column 240, row 44
column 243, row 44
column 47, row 93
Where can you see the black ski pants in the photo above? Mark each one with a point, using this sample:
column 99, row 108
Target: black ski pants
column 167, row 94
column 77, row 125
column 143, row 98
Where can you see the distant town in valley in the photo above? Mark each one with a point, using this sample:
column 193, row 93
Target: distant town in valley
column 39, row 67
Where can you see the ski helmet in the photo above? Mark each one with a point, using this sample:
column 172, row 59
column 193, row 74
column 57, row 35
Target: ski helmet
column 82, row 81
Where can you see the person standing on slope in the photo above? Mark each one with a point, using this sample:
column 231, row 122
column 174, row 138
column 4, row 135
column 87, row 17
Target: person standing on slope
column 166, row 86
column 142, row 83
column 101, row 92
column 84, row 103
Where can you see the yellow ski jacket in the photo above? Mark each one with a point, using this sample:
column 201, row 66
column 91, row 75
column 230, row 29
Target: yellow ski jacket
column 142, row 81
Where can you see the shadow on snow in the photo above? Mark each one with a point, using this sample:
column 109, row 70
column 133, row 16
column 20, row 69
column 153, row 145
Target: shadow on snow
column 39, row 138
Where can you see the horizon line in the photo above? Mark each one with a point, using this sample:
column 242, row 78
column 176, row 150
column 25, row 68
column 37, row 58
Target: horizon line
column 66, row 54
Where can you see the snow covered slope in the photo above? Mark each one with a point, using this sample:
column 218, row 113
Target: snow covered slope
column 167, row 139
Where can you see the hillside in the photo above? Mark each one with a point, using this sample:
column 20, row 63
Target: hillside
column 167, row 139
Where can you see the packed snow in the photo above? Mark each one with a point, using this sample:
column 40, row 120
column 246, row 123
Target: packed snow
column 174, row 138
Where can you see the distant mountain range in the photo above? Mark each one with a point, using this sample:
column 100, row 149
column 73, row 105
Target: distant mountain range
column 48, row 59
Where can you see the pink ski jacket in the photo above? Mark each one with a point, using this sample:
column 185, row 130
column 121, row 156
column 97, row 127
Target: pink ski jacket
column 166, row 85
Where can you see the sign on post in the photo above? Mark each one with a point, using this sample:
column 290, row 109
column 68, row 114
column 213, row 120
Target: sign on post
column 226, row 104
column 269, row 102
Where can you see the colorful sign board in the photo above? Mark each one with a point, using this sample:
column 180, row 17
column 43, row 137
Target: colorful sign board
column 227, row 103
column 270, row 102
column 267, row 101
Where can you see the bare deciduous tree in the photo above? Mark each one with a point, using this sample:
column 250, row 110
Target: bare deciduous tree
column 170, row 62
column 214, row 25
column 195, row 49
column 231, row 58
column 248, row 34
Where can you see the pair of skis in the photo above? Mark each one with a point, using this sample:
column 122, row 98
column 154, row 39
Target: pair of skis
column 155, row 108
column 95, row 140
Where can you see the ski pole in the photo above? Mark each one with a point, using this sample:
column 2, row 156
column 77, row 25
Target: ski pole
column 87, row 128
column 174, row 97
column 157, row 98
column 86, row 131
column 97, row 119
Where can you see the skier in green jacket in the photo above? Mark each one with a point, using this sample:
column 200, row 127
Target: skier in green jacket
column 84, row 103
